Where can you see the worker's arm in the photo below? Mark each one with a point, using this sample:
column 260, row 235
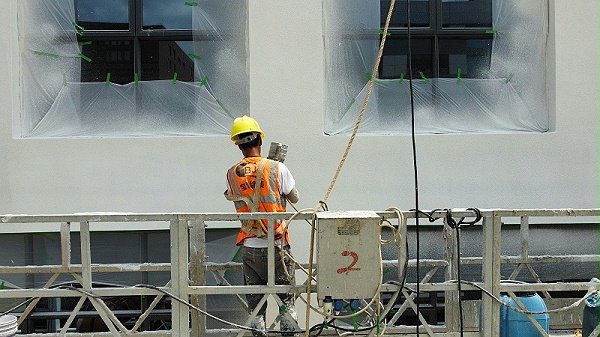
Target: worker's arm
column 293, row 195
column 287, row 183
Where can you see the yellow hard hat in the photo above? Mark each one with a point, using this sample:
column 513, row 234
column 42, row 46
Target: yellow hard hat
column 242, row 125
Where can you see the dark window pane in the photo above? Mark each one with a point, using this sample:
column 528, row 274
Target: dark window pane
column 108, row 56
column 419, row 13
column 162, row 59
column 102, row 15
column 166, row 14
column 472, row 56
column 394, row 62
column 466, row 13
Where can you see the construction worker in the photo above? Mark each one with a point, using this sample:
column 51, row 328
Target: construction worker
column 257, row 184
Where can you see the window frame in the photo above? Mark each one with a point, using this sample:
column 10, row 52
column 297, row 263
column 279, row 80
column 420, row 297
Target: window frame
column 434, row 32
column 137, row 34
column 59, row 100
column 508, row 97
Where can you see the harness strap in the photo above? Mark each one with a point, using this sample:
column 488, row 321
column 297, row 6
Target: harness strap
column 253, row 204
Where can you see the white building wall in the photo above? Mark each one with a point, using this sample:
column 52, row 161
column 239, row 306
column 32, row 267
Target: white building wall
column 553, row 170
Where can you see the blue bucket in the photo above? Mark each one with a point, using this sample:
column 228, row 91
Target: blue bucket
column 514, row 323
column 591, row 315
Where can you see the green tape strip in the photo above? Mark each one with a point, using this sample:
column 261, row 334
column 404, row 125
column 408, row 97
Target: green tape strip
column 355, row 321
column 85, row 57
column 107, row 79
column 78, row 27
column 223, row 107
column 380, row 32
column 136, row 79
column 401, row 78
column 423, row 77
column 174, row 78
column 189, row 3
column 84, row 43
column 459, row 71
column 349, row 105
column 378, row 324
column 194, row 56
column 491, row 31
column 204, row 81
column 381, row 83
column 45, row 54
column 377, row 81
column 508, row 79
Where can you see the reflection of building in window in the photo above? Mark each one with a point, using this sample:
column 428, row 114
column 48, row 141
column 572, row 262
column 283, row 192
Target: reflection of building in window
column 162, row 59
column 159, row 59
column 455, row 35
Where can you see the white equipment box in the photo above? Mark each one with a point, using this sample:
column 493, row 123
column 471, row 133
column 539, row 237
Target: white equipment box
column 348, row 254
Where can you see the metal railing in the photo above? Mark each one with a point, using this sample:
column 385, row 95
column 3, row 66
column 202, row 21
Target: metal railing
column 188, row 269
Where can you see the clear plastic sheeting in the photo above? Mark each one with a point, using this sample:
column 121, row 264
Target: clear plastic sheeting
column 511, row 99
column 147, row 109
column 55, row 103
column 49, row 56
column 220, row 38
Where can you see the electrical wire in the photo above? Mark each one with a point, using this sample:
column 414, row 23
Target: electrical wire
column 397, row 239
column 449, row 220
column 238, row 325
column 27, row 301
column 184, row 302
column 590, row 292
column 349, row 145
column 354, row 314
column 414, row 153
column 402, row 222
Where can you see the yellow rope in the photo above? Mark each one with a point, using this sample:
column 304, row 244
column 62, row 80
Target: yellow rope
column 343, row 160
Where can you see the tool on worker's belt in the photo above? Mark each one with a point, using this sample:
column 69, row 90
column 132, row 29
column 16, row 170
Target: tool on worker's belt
column 277, row 151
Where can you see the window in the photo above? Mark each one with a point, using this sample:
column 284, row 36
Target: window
column 478, row 66
column 112, row 32
column 446, row 36
column 122, row 68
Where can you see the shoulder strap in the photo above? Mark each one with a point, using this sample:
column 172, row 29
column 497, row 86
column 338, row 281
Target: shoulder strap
column 256, row 197
column 254, row 202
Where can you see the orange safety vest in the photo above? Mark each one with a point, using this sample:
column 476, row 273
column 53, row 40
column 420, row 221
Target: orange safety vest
column 241, row 179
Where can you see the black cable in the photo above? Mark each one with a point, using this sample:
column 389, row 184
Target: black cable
column 414, row 150
column 428, row 215
column 329, row 324
column 405, row 269
column 27, row 301
column 319, row 327
column 457, row 226
column 361, row 329
column 450, row 221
